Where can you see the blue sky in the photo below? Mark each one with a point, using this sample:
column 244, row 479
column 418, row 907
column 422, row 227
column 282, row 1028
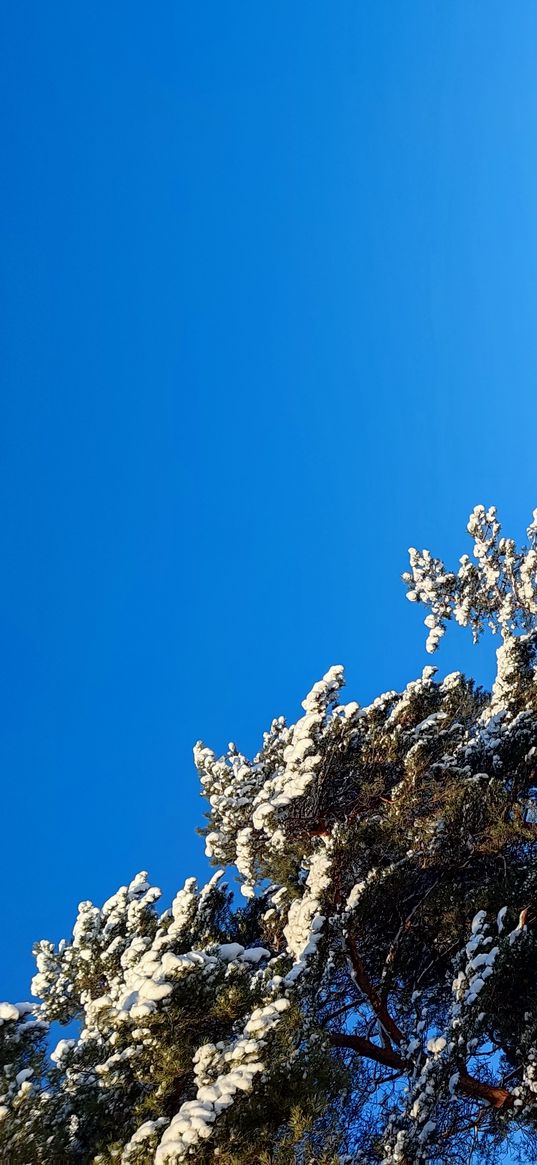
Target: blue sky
column 268, row 317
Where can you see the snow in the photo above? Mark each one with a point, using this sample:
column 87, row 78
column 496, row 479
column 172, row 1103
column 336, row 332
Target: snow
column 436, row 1045
column 248, row 798
column 196, row 1118
column 304, row 920
column 230, row 951
column 61, row 1049
column 24, row 1075
column 267, row 815
column 8, row 1011
column 502, row 582
column 255, row 955
column 478, row 920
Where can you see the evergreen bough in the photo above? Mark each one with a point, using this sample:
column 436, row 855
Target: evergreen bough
column 374, row 999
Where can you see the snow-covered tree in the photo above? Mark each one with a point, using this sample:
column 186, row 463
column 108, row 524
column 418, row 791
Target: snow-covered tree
column 374, row 1000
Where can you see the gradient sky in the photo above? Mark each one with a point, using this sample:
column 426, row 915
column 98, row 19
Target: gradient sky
column 268, row 318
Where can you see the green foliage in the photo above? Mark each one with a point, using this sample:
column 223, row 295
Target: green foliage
column 374, row 1000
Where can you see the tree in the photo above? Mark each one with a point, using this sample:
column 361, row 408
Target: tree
column 374, row 999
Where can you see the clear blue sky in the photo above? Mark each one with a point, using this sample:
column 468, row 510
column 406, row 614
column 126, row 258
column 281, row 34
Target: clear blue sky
column 268, row 317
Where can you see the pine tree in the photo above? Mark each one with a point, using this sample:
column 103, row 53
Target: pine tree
column 374, row 998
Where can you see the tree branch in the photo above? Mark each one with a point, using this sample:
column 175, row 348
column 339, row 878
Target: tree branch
column 477, row 1090
column 496, row 1096
column 365, row 1047
column 364, row 982
column 392, row 951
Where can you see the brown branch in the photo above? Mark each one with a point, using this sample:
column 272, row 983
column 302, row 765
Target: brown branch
column 392, row 950
column 379, row 1006
column 342, row 1011
column 477, row 1090
column 436, row 960
column 365, row 1047
column 495, row 1096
